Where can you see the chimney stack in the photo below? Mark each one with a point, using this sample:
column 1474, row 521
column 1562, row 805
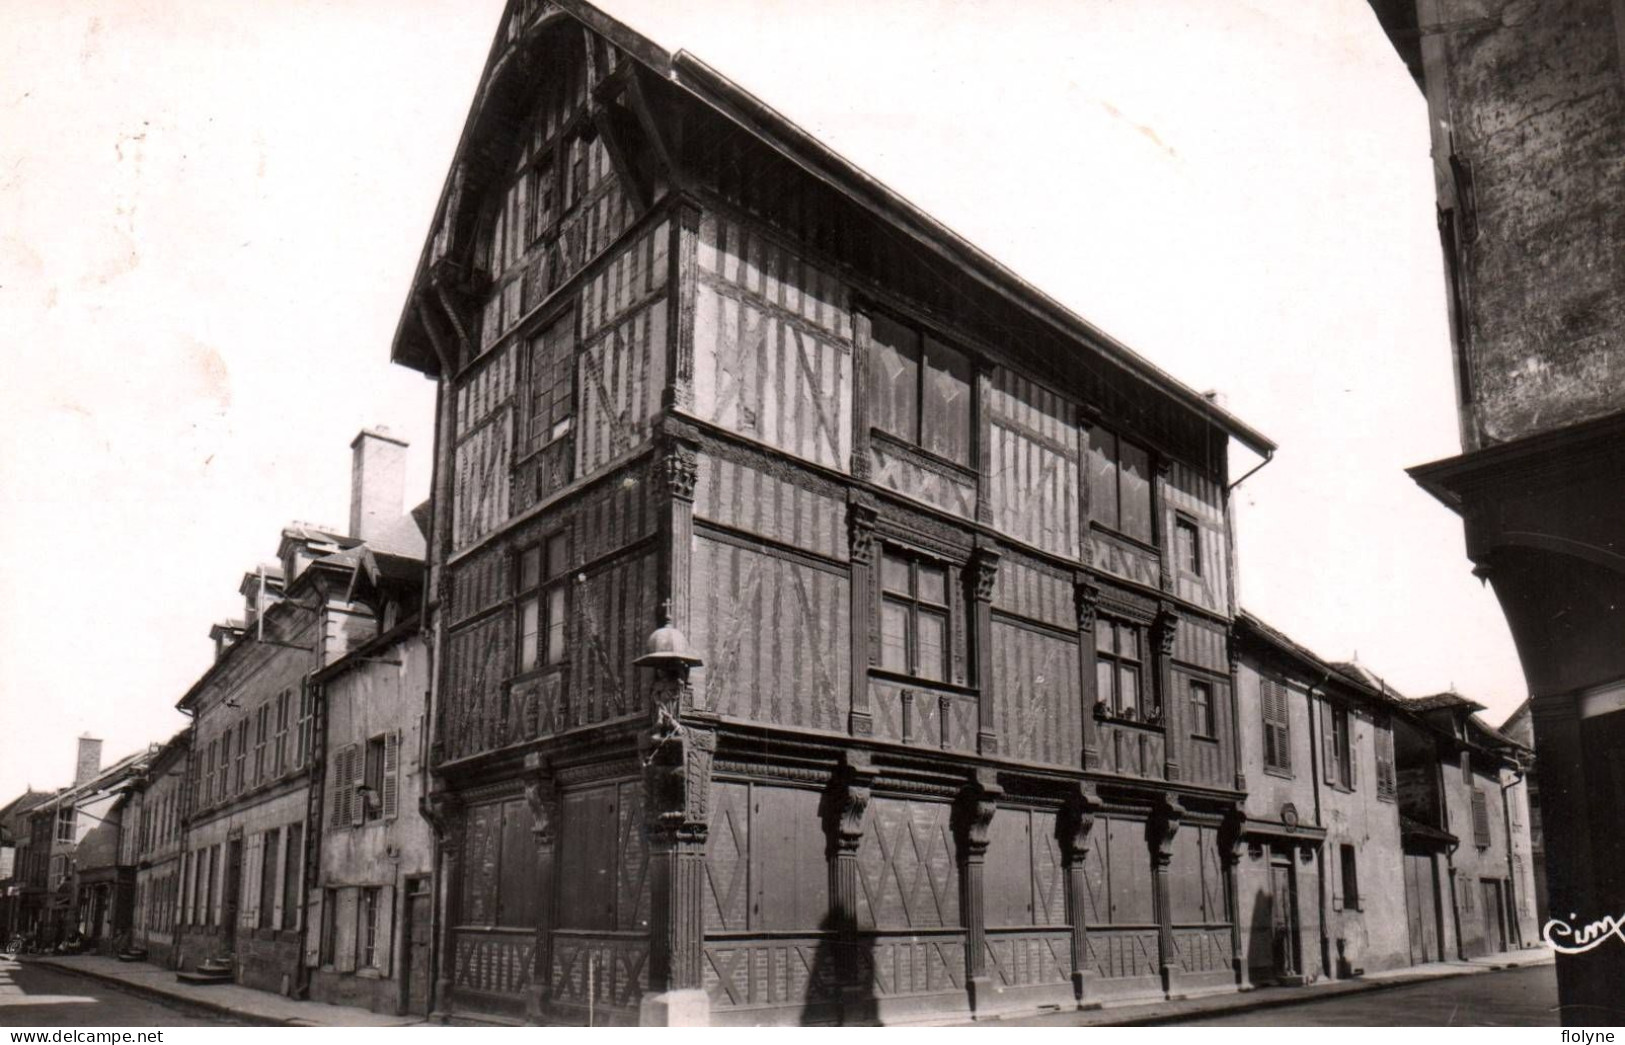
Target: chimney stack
column 377, row 482
column 89, row 762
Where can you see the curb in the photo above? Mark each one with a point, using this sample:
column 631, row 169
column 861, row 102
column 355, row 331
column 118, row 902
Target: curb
column 157, row 994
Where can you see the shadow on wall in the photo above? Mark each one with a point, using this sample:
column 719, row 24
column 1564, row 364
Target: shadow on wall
column 844, row 974
column 1261, row 943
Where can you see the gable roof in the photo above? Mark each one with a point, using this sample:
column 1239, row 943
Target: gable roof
column 686, row 73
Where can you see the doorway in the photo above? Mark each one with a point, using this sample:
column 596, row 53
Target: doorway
column 1422, row 908
column 1495, row 934
column 233, row 886
column 1284, row 915
column 419, row 905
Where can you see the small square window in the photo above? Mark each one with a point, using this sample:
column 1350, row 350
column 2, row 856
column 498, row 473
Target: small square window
column 914, row 616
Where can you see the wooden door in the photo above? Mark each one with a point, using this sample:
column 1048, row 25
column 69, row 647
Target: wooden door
column 419, row 904
column 233, row 887
column 1494, row 925
column 1284, row 913
column 1421, row 909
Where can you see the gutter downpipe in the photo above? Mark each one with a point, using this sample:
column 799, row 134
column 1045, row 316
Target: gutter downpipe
column 1269, row 456
column 1320, row 852
column 1512, row 881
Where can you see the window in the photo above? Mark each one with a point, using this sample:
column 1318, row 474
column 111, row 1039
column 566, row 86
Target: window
column 279, row 751
column 367, row 931
column 293, row 875
column 552, row 373
column 1202, row 709
column 919, row 390
column 213, row 853
column 1518, row 890
column 209, row 784
column 1188, row 545
column 1467, row 768
column 222, row 779
column 1351, row 880
column 268, row 865
column 372, row 802
column 1277, row 730
column 1387, row 776
column 542, row 603
column 913, row 616
column 1481, row 819
column 1118, row 658
column 242, row 755
column 330, row 925
column 65, row 823
column 1119, row 485
column 262, row 737
column 1338, row 745
column 307, row 713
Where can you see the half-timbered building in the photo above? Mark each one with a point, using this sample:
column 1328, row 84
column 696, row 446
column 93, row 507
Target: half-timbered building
column 827, row 625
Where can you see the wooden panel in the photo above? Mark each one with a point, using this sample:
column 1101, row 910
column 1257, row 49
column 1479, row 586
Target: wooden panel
column 1122, row 559
column 1035, row 590
column 937, row 485
column 482, row 846
column 1049, row 877
column 538, row 705
column 1028, row 959
column 923, row 717
column 789, row 874
column 485, row 389
column 614, row 611
column 1097, row 896
column 480, row 480
column 1122, row 953
column 1185, row 877
column 609, row 516
column 1215, row 904
column 631, row 859
column 771, row 973
column 907, row 874
column 775, row 635
column 894, row 965
column 492, row 961
column 619, row 376
column 1034, row 465
column 1132, row 750
column 479, row 659
column 1200, row 499
column 518, row 903
column 772, row 346
column 479, row 582
column 1007, row 880
column 630, row 280
column 616, row 965
column 727, row 859
column 772, row 504
column 1197, row 642
column 1130, row 872
column 589, row 830
column 1036, row 702
column 1206, row 949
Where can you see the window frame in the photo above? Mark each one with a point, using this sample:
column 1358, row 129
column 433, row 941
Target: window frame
column 913, row 605
column 293, row 866
column 1280, row 728
column 367, row 931
column 533, row 345
column 552, row 579
column 1342, row 723
column 1147, row 709
column 917, row 441
column 1184, row 524
column 1205, row 726
column 372, row 775
column 67, row 823
column 1153, row 536
column 1348, row 877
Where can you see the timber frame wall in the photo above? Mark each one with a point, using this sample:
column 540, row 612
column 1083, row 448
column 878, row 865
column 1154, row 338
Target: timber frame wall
column 656, row 397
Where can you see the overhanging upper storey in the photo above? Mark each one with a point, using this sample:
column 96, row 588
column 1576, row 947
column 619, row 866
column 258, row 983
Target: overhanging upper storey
column 596, row 108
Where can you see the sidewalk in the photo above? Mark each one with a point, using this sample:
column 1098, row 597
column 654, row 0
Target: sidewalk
column 259, row 1008
column 1150, row 1014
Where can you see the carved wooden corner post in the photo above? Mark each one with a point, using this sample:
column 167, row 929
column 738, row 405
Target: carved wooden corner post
column 860, row 526
column 1231, row 840
column 1160, row 829
column 1075, row 824
column 443, row 811
column 683, row 262
column 1165, row 630
column 846, row 804
column 677, row 784
column 541, row 794
column 984, row 574
column 973, row 814
column 1086, row 600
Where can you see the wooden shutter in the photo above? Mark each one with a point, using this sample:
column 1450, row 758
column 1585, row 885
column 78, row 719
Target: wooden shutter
column 358, row 777
column 392, row 762
column 349, row 907
column 1328, row 745
column 1354, row 750
column 248, row 899
column 340, row 770
column 279, row 869
column 1481, row 819
column 383, row 958
column 313, row 940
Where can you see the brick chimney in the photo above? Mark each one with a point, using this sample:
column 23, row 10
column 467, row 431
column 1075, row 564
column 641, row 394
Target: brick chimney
column 377, row 482
column 89, row 762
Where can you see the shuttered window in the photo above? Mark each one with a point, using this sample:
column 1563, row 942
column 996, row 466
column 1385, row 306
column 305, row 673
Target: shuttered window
column 279, row 754
column 293, row 875
column 1481, row 819
column 307, row 712
column 1277, row 734
column 269, row 851
column 1387, row 775
column 262, row 737
column 344, row 769
column 1337, row 740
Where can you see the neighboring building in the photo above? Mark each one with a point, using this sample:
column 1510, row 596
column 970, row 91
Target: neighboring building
column 1321, row 887
column 158, row 807
column 1520, row 728
column 16, row 861
column 957, row 565
column 1524, row 105
column 257, row 754
column 90, row 892
column 377, row 851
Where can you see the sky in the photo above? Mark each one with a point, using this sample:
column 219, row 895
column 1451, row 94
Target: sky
column 210, row 213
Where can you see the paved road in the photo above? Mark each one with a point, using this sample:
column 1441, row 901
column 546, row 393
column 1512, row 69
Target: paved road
column 1511, row 998
column 31, row 996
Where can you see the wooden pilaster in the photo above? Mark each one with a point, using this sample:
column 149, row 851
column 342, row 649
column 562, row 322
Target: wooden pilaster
column 677, row 472
column 683, row 259
column 972, row 817
column 845, row 807
column 1168, row 704
column 984, row 573
column 1230, row 846
column 541, row 794
column 1076, row 823
column 1160, row 830
column 860, row 525
column 860, row 401
column 443, row 811
column 1086, row 600
column 677, row 784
